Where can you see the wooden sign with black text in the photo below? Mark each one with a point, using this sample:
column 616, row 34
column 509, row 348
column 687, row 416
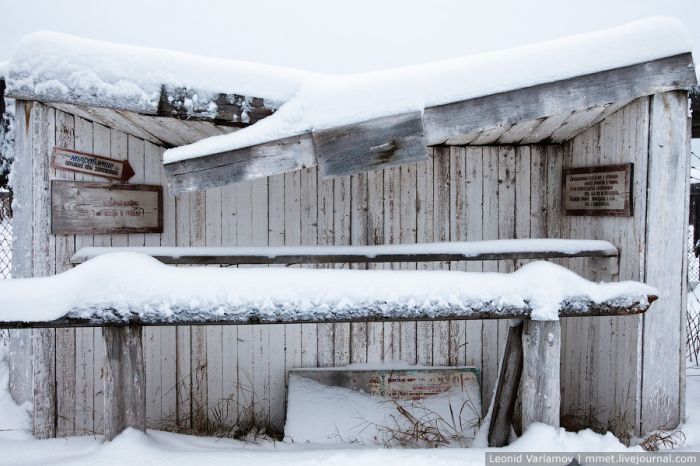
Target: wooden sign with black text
column 599, row 191
column 101, row 208
column 82, row 162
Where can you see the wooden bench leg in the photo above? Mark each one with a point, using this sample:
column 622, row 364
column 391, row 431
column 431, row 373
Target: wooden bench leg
column 507, row 390
column 124, row 380
column 541, row 398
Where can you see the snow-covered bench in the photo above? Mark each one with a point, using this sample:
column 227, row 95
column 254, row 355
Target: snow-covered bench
column 124, row 291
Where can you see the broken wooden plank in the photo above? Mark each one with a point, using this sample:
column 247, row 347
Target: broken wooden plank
column 370, row 145
column 243, row 164
column 541, row 373
column 124, row 380
column 421, row 252
column 507, row 390
column 448, row 121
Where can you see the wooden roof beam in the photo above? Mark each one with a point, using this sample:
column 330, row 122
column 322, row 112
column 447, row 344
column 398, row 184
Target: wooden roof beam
column 568, row 95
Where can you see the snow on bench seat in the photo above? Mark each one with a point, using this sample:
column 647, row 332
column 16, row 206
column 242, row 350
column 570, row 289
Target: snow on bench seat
column 134, row 289
column 422, row 252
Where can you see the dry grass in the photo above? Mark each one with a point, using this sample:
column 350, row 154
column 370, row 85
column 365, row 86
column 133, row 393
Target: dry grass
column 663, row 440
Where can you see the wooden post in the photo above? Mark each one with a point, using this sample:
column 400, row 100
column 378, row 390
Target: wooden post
column 540, row 380
column 124, row 380
column 507, row 390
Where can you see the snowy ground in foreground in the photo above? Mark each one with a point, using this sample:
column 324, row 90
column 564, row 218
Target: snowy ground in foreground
column 155, row 448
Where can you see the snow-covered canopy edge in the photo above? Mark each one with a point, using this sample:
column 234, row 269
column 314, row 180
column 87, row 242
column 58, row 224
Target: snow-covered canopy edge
column 326, row 101
column 131, row 288
column 57, row 67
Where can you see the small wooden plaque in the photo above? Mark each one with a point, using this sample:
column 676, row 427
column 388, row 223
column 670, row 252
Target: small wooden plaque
column 599, row 191
column 101, row 208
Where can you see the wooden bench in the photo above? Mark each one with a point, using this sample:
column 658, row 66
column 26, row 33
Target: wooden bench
column 531, row 359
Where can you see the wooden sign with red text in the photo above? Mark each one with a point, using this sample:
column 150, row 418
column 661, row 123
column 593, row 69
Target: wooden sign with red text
column 82, row 162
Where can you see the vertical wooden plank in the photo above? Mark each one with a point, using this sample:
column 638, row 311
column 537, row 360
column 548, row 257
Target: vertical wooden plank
column 43, row 127
column 341, row 229
column 292, row 237
column 663, row 350
column 540, row 380
column 198, row 333
column 407, row 235
column 358, row 236
column 217, row 406
column 375, row 235
column 309, row 237
column 508, row 386
column 424, row 234
column 458, row 232
column 229, row 333
column 326, row 236
column 260, row 333
column 124, row 381
column 473, row 168
column 183, row 362
column 245, row 341
column 69, row 389
column 20, row 341
column 276, row 345
column 506, row 220
column 392, row 227
column 441, row 232
column 489, row 336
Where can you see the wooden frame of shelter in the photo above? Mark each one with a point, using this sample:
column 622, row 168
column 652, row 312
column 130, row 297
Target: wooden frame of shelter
column 487, row 168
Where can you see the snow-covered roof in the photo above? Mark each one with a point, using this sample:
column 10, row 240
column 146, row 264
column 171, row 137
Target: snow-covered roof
column 59, row 68
column 132, row 288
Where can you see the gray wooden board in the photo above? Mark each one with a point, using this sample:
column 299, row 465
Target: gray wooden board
column 244, row 164
column 507, row 389
column 370, row 145
column 294, row 257
column 101, row 208
column 368, row 311
column 598, row 190
column 448, row 121
column 397, row 384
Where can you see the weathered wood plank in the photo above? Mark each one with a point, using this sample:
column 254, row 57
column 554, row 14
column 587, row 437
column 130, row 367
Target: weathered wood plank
column 244, row 164
column 124, row 381
column 541, row 377
column 507, row 389
column 544, row 100
column 666, row 245
column 379, row 143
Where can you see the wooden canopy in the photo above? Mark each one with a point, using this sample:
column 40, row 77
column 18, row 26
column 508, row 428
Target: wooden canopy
column 552, row 112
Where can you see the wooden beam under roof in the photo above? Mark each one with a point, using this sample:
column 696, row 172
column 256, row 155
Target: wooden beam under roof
column 568, row 95
column 576, row 103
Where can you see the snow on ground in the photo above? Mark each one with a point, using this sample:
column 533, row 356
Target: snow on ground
column 133, row 283
column 157, row 448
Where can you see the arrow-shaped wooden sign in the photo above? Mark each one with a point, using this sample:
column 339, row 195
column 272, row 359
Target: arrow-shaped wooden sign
column 82, row 162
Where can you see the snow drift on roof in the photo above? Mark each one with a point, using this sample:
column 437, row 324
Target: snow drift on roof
column 328, row 101
column 129, row 283
column 53, row 65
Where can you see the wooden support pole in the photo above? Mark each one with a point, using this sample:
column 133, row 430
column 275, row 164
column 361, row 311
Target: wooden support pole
column 124, row 380
column 507, row 390
column 540, row 381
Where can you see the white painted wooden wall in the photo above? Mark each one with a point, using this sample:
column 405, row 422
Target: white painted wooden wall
column 213, row 377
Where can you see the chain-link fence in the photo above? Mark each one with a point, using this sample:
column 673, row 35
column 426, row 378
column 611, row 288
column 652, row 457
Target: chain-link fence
column 5, row 234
